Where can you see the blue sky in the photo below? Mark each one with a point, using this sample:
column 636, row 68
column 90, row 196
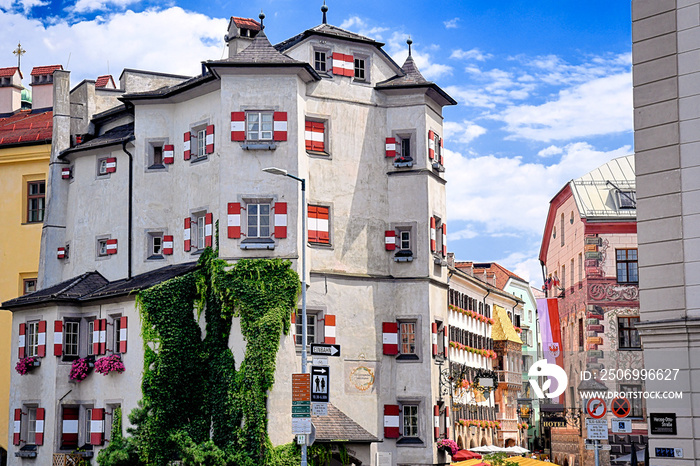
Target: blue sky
column 544, row 87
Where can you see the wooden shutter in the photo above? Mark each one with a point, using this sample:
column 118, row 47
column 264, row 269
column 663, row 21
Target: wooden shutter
column 21, row 344
column 319, row 225
column 441, row 152
column 17, row 427
column 314, row 134
column 434, row 328
column 168, row 154
column 237, row 126
column 123, row 333
column 209, row 139
column 40, row 416
column 58, row 338
column 111, row 246
column 391, row 421
column 279, row 126
column 187, row 145
column 234, row 219
column 41, row 337
column 65, row 173
column 390, row 147
column 445, row 341
column 208, row 230
column 436, row 421
column 97, row 426
column 345, row 65
column 186, row 234
column 390, row 240
column 312, row 224
column 111, row 164
column 444, row 240
column 61, row 253
column 99, row 337
column 280, row 219
column 431, row 144
column 329, row 329
column 69, row 428
column 167, row 244
column 447, row 421
column 433, row 246
column 390, row 338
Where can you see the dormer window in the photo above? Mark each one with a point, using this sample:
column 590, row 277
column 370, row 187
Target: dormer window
column 627, row 199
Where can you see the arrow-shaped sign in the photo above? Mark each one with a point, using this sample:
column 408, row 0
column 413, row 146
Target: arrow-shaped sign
column 325, row 350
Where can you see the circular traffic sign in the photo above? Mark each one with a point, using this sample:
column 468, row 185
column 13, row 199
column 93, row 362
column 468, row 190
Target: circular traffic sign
column 620, row 407
column 596, row 408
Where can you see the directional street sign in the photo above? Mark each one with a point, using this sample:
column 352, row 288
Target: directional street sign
column 325, row 350
column 596, row 408
column 301, row 387
column 319, row 383
column 620, row 407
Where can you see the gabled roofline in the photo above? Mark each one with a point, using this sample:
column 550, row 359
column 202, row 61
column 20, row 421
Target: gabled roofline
column 169, row 91
column 487, row 286
column 556, row 202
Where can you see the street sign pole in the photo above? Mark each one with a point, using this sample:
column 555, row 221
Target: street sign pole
column 597, row 458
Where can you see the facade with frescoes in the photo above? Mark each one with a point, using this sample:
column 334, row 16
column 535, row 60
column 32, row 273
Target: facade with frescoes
column 589, row 257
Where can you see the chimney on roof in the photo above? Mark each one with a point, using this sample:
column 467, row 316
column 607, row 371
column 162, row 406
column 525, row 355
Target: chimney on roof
column 10, row 90
column 241, row 32
column 451, row 259
column 42, row 86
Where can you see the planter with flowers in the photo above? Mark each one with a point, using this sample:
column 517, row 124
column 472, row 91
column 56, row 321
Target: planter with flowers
column 448, row 445
column 27, row 364
column 111, row 363
column 81, row 368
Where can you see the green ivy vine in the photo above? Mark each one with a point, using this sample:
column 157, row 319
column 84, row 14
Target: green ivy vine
column 197, row 407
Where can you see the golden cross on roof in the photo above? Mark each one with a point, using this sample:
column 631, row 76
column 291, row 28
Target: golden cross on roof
column 19, row 51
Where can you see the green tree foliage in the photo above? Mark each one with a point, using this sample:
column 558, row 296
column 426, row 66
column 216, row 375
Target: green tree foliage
column 197, row 407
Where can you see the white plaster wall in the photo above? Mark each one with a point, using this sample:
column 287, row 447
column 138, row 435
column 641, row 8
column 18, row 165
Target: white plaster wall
column 42, row 96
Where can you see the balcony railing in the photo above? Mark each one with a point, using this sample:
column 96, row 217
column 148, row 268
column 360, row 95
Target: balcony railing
column 510, row 378
column 66, row 459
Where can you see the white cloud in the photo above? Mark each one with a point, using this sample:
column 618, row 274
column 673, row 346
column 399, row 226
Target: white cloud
column 549, row 151
column 451, row 24
column 598, row 107
column 169, row 41
column 360, row 26
column 21, row 5
column 526, row 266
column 497, row 195
column 466, row 233
column 84, row 6
column 472, row 54
column 464, row 132
column 397, row 48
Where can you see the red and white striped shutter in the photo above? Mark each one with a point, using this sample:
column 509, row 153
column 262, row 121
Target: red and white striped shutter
column 435, row 336
column 234, row 219
column 209, row 140
column 17, row 427
column 444, row 240
column 349, row 65
column 390, row 240
column 329, row 329
column 123, row 334
column 308, row 134
column 97, row 426
column 280, row 219
column 169, row 154
column 390, row 338
column 99, row 336
column 390, row 147
column 186, row 146
column 391, row 421
column 111, row 164
column 65, row 173
column 61, row 253
column 41, row 337
column 312, row 224
column 238, row 126
column 279, row 126
column 446, row 343
column 39, row 429
column 69, row 428
column 168, row 244
column 208, row 229
column 323, row 224
column 431, row 144
column 447, row 421
column 58, row 338
column 186, row 234
column 441, row 152
column 433, row 245
column 21, row 344
column 436, row 421
column 338, row 64
column 111, row 246
column 315, row 135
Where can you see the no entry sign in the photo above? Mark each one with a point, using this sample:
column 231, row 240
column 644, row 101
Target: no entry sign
column 596, row 408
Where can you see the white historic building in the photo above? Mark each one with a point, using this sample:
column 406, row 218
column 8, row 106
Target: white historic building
column 139, row 186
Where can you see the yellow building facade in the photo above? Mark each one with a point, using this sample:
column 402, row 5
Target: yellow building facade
column 23, row 168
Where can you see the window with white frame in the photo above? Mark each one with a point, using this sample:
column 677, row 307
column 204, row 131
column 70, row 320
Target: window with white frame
column 29, row 285
column 259, row 126
column 155, row 245
column 88, row 424
column 116, row 335
column 198, row 143
column 312, row 328
column 407, row 338
column 409, row 418
column 404, row 244
column 258, row 216
column 91, row 328
column 32, row 339
column 31, row 426
column 71, row 339
column 197, row 230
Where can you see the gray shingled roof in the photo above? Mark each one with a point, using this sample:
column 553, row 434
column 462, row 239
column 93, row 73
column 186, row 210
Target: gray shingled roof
column 92, row 285
column 337, row 426
column 411, row 76
column 329, row 31
column 167, row 91
column 113, row 136
column 260, row 51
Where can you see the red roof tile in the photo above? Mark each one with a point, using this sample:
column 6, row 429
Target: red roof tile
column 102, row 81
column 247, row 23
column 26, row 127
column 8, row 72
column 39, row 70
column 492, row 269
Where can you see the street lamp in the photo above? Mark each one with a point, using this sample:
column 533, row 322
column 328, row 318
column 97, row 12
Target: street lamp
column 282, row 172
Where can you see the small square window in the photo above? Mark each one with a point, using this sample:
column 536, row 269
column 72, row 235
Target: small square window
column 404, row 240
column 628, row 335
column 407, row 338
column 259, row 126
column 627, row 266
column 197, row 231
column 71, row 338
column 319, row 224
column 29, row 285
column 360, row 69
column 155, row 245
column 102, row 166
column 102, row 247
column 311, row 328
column 320, row 61
column 627, row 199
column 410, row 420
column 36, row 192
column 258, row 220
